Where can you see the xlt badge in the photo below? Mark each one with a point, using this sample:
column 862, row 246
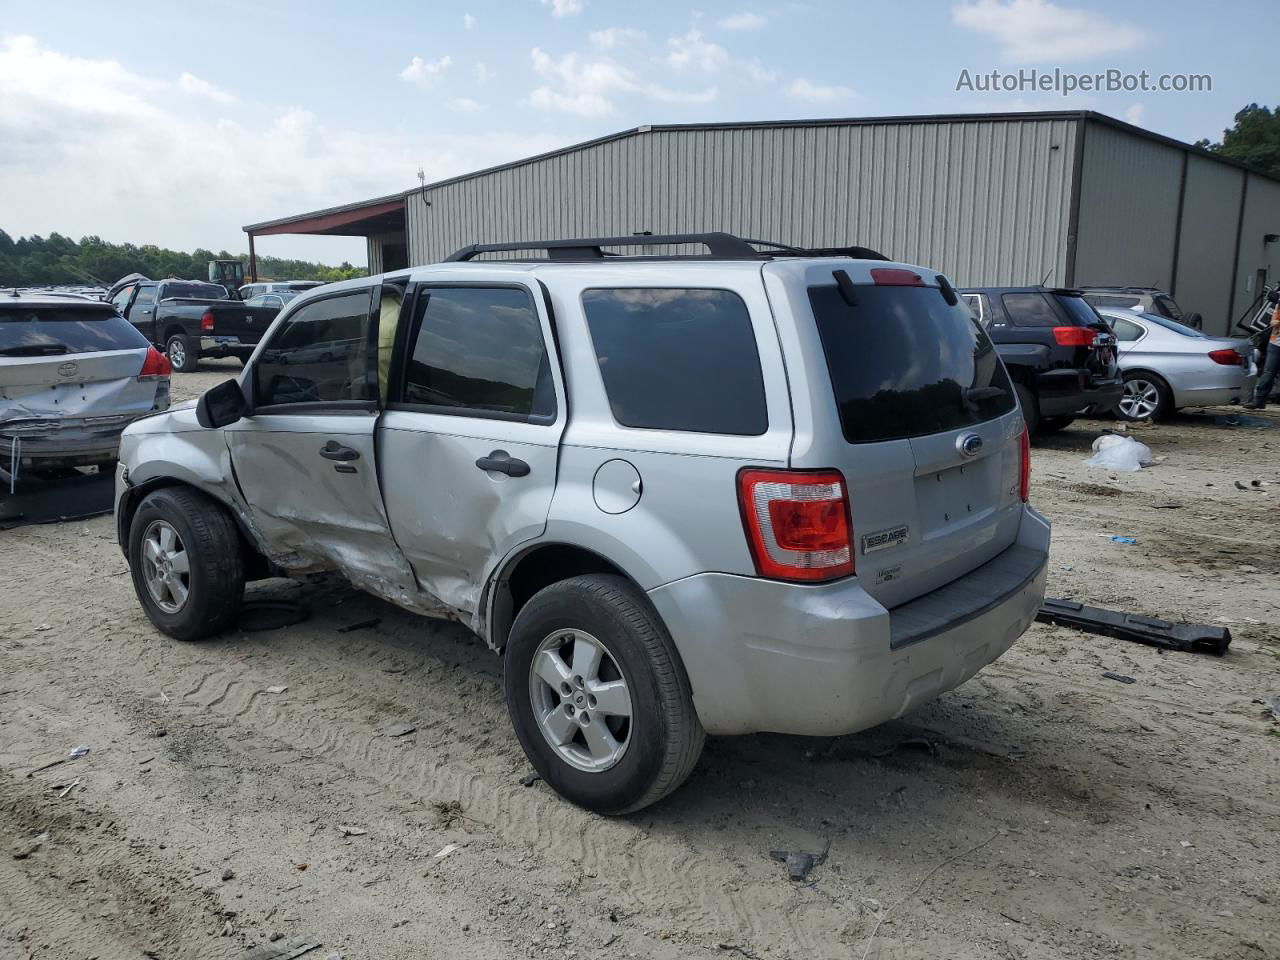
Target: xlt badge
column 883, row 539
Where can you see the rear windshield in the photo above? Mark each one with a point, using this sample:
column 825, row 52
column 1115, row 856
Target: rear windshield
column 1078, row 310
column 40, row 331
column 1175, row 326
column 193, row 291
column 905, row 364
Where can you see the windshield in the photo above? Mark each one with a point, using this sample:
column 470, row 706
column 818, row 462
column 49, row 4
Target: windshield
column 1079, row 310
column 1174, row 325
column 50, row 331
column 194, row 291
column 904, row 363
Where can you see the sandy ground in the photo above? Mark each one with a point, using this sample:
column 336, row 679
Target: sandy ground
column 1039, row 811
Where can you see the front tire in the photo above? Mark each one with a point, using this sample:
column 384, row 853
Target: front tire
column 598, row 696
column 183, row 354
column 186, row 562
column 1146, row 397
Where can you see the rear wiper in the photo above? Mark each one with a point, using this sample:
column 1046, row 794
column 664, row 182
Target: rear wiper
column 34, row 350
column 984, row 393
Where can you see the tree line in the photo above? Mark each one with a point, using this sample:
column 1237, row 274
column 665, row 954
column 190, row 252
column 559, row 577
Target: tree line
column 57, row 260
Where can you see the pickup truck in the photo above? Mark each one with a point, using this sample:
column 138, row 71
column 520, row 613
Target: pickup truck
column 190, row 319
column 1060, row 353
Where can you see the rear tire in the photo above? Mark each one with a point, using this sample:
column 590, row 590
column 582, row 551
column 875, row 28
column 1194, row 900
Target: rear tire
column 551, row 682
column 186, row 562
column 1030, row 408
column 182, row 353
column 1146, row 397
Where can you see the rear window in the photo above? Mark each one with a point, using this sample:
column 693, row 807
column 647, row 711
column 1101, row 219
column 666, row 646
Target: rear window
column 1175, row 326
column 904, row 363
column 37, row 331
column 1030, row 310
column 678, row 359
column 193, row 291
column 1078, row 310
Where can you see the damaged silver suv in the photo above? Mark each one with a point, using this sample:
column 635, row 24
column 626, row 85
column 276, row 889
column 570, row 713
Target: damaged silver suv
column 683, row 494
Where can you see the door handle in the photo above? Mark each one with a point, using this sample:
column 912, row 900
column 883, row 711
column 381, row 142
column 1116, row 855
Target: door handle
column 333, row 450
column 500, row 462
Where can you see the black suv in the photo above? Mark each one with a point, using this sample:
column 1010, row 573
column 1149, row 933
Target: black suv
column 1060, row 353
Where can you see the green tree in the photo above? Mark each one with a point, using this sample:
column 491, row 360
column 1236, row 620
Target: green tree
column 1254, row 140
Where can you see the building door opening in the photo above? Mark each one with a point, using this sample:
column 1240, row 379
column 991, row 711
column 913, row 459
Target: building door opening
column 395, row 256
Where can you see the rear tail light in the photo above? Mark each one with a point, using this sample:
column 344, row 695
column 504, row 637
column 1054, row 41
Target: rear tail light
column 1227, row 357
column 206, row 321
column 155, row 366
column 1024, row 466
column 895, row 277
column 1074, row 336
column 797, row 523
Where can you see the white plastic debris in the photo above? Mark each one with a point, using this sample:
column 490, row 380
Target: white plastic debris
column 1123, row 454
column 444, row 851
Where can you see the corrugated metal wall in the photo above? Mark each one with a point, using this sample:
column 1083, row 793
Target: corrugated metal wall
column 1261, row 217
column 1128, row 209
column 987, row 202
column 1206, row 251
column 375, row 255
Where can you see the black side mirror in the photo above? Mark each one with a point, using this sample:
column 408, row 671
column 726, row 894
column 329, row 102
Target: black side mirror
column 221, row 405
column 1193, row 320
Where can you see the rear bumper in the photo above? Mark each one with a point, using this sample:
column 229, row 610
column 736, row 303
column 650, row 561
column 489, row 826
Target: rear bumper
column 225, row 347
column 826, row 660
column 1066, row 392
column 1237, row 389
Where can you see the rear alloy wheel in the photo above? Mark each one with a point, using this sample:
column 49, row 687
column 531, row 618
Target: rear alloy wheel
column 182, row 353
column 598, row 696
column 1146, row 397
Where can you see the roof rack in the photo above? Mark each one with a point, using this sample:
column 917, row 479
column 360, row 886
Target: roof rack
column 720, row 246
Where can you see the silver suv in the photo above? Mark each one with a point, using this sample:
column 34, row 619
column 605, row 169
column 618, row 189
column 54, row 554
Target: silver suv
column 741, row 491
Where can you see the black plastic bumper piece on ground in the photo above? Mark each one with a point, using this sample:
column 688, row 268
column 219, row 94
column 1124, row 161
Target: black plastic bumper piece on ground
column 1186, row 637
column 41, row 499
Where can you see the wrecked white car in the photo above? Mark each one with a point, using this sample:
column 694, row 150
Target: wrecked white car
column 73, row 375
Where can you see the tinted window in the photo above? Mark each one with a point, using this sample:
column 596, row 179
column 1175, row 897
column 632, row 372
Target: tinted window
column 676, row 359
column 1175, row 326
column 1030, row 310
column 1106, row 300
column 1126, row 330
column 974, row 302
column 479, row 348
column 38, row 331
column 194, row 291
column 905, row 364
column 1078, row 309
column 121, row 299
column 146, row 296
column 1168, row 307
column 321, row 354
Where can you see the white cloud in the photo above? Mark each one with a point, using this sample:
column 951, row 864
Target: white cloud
column 481, row 73
column 1039, row 31
column 468, row 21
column 692, row 50
column 189, row 83
column 467, row 105
column 564, row 8
column 585, row 87
column 1134, row 113
column 424, row 72
column 803, row 89
column 746, row 20
column 80, row 154
column 612, row 37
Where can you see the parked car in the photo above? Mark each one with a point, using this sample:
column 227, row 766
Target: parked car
column 189, row 319
column 680, row 495
column 1167, row 365
column 1141, row 299
column 275, row 300
column 1060, row 353
column 250, row 290
column 73, row 375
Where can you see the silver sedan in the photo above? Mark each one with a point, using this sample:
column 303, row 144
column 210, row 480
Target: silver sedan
column 1167, row 365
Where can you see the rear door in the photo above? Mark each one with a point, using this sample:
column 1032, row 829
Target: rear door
column 914, row 406
column 71, row 362
column 305, row 460
column 469, row 444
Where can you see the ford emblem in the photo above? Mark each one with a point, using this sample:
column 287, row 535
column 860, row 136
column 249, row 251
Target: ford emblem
column 969, row 444
column 68, row 369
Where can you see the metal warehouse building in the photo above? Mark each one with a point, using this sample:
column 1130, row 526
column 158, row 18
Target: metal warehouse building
column 1070, row 198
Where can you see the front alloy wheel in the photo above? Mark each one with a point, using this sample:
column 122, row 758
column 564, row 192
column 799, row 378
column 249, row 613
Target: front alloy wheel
column 166, row 569
column 580, row 700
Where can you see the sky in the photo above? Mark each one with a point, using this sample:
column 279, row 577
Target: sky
column 177, row 123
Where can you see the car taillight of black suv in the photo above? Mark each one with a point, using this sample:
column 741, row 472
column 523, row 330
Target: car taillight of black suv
column 1059, row 352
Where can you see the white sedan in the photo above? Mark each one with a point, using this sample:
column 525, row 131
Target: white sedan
column 1167, row 365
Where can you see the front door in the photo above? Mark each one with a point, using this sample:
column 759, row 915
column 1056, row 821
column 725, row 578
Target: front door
column 469, row 443
column 306, row 459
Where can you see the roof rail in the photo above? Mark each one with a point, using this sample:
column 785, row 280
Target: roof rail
column 722, row 246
